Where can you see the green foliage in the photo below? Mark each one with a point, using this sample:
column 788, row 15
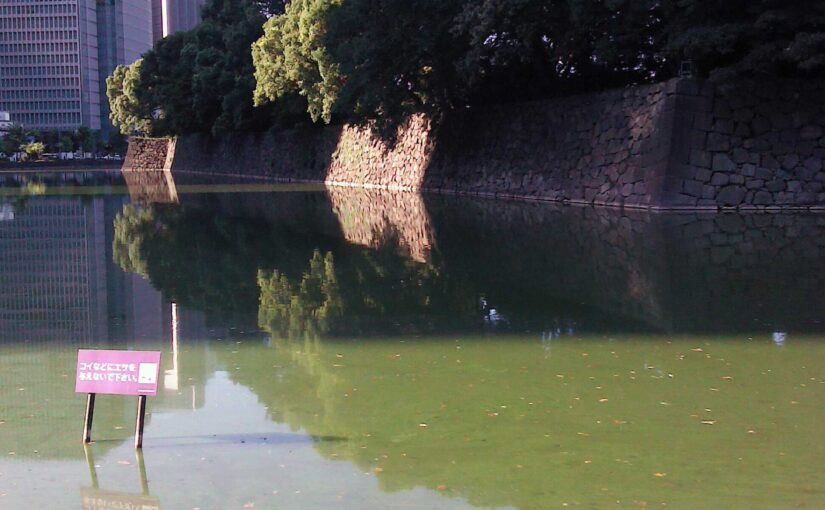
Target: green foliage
column 291, row 58
column 202, row 80
column 33, row 150
column 399, row 62
column 127, row 112
column 15, row 137
column 763, row 37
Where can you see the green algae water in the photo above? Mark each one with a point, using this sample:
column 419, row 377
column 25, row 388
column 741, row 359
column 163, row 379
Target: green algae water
column 352, row 349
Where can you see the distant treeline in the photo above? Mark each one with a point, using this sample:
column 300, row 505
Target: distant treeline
column 253, row 64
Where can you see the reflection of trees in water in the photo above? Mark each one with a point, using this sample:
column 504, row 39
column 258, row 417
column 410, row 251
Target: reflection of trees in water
column 198, row 257
column 358, row 291
column 305, row 308
column 300, row 284
column 131, row 228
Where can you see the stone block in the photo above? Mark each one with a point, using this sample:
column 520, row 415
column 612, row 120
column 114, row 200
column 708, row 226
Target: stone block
column 722, row 163
column 693, row 188
column 702, row 174
column 762, row 198
column 723, row 126
column 737, row 179
column 775, row 185
column 718, row 142
column 813, row 164
column 740, row 155
column 810, row 132
column 742, row 129
column 789, row 161
column 697, row 140
column 731, row 195
column 700, row 158
column 763, row 173
column 702, row 121
column 708, row 191
column 805, row 198
column 769, row 161
column 794, row 186
column 760, row 125
column 743, row 115
column 720, row 179
column 754, row 183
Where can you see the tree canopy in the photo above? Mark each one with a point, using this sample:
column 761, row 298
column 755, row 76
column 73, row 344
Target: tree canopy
column 202, row 80
column 376, row 59
column 253, row 63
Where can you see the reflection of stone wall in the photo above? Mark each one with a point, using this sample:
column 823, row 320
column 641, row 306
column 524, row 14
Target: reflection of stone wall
column 672, row 272
column 746, row 272
column 150, row 186
column 375, row 218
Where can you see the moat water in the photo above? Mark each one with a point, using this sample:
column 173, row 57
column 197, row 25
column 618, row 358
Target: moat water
column 357, row 349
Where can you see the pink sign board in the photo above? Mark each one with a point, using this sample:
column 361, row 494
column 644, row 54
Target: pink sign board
column 117, row 372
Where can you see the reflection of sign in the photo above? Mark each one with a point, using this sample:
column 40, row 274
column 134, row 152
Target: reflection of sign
column 117, row 372
column 96, row 499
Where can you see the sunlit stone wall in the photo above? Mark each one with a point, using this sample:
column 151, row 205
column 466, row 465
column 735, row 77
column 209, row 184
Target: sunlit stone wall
column 680, row 144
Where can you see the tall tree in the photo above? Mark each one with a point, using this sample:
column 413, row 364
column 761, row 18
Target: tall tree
column 127, row 111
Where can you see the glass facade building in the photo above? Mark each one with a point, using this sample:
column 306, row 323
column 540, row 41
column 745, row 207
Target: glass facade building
column 179, row 15
column 56, row 54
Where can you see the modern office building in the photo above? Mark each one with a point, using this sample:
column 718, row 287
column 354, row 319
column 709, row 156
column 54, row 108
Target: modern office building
column 56, row 54
column 5, row 123
column 179, row 15
column 124, row 33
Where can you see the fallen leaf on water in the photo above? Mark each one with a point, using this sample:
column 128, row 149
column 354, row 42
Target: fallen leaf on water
column 751, row 431
column 697, row 349
column 124, row 462
column 727, row 378
column 422, row 425
column 441, row 488
column 249, row 505
column 602, row 400
column 492, row 414
column 708, row 422
column 378, row 470
column 659, row 475
column 588, row 462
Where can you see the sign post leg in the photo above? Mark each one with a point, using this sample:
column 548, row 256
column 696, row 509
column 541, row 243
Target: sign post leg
column 90, row 413
column 141, row 416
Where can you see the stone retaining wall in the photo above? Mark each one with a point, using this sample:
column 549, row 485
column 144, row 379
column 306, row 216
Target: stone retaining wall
column 680, row 144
